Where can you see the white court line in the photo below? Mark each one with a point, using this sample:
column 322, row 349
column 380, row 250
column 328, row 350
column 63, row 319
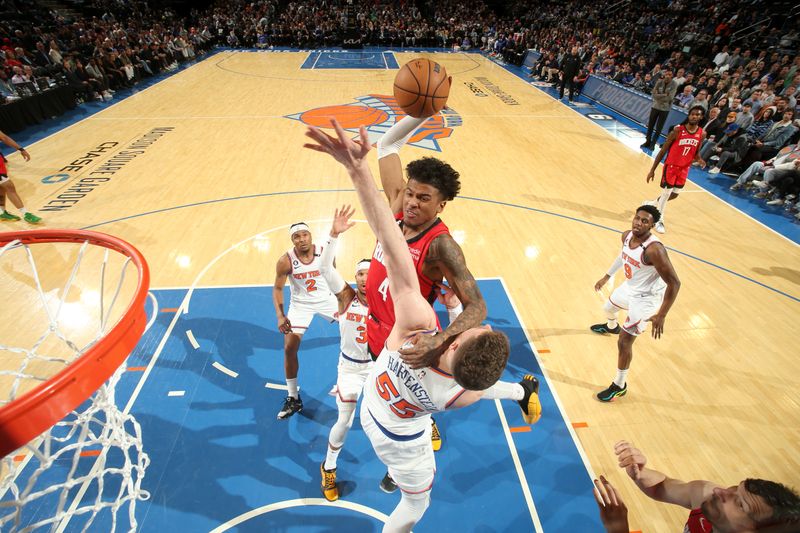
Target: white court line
column 155, row 312
column 278, row 386
column 262, row 117
column 703, row 189
column 302, row 502
column 523, row 481
column 385, row 63
column 192, row 340
column 176, row 393
column 557, row 400
column 314, row 65
column 225, row 370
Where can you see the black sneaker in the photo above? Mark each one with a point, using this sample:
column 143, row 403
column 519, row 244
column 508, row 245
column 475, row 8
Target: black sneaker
column 387, row 484
column 290, row 407
column 603, row 328
column 612, row 392
column 531, row 407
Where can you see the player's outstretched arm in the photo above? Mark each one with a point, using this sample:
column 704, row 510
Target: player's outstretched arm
column 656, row 484
column 282, row 271
column 400, row 270
column 657, row 256
column 8, row 141
column 344, row 292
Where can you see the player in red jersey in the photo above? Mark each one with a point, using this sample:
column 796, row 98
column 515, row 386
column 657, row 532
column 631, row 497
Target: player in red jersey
column 752, row 505
column 7, row 186
column 682, row 148
column 417, row 204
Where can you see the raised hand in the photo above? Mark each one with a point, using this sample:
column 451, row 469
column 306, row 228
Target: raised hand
column 341, row 220
column 349, row 153
column 630, row 458
column 447, row 296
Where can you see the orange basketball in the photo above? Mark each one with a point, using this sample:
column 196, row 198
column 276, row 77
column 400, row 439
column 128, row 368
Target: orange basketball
column 421, row 88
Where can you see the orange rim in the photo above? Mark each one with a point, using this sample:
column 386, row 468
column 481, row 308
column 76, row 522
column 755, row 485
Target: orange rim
column 40, row 408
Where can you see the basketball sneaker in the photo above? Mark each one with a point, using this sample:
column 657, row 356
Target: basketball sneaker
column 5, row 215
column 387, row 484
column 603, row 328
column 612, row 392
column 531, row 407
column 290, row 407
column 660, row 227
column 436, row 437
column 329, row 488
column 30, row 218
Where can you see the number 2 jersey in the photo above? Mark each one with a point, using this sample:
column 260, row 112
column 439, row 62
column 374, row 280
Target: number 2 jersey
column 306, row 283
column 381, row 307
column 400, row 400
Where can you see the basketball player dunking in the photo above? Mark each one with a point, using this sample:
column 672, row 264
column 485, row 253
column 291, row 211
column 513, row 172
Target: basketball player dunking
column 310, row 295
column 399, row 400
column 682, row 148
column 650, row 288
column 417, row 204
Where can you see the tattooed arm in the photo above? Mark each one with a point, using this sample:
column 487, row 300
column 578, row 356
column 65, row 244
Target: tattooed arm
column 446, row 256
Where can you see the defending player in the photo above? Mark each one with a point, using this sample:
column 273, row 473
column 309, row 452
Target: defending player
column 681, row 147
column 436, row 255
column 310, row 295
column 7, row 187
column 650, row 288
column 354, row 361
column 398, row 400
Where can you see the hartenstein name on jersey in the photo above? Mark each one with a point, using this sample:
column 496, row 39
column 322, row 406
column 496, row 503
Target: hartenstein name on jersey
column 630, row 260
column 378, row 254
column 688, row 141
column 409, row 379
column 307, row 275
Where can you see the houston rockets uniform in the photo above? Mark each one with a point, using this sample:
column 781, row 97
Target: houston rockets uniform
column 680, row 156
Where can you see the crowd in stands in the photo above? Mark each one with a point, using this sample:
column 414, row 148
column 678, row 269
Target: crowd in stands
column 727, row 56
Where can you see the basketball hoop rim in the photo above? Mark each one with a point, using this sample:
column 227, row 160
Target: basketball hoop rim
column 34, row 412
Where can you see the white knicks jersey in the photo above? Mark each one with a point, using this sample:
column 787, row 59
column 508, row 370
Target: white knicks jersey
column 401, row 399
column 306, row 283
column 642, row 279
column 353, row 331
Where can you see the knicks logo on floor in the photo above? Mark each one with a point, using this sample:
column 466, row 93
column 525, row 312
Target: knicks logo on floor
column 378, row 113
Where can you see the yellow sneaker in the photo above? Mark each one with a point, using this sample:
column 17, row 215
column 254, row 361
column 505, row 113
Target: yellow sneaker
column 436, row 437
column 329, row 488
column 531, row 407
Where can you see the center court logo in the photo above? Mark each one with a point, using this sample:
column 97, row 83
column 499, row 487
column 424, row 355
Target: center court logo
column 378, row 113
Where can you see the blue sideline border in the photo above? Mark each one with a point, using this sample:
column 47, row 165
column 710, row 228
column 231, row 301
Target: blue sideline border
column 774, row 217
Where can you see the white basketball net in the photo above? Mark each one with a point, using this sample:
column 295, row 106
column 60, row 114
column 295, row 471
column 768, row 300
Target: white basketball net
column 91, row 464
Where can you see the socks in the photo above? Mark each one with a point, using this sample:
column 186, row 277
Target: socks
column 398, row 135
column 330, row 458
column 503, row 390
column 622, row 375
column 292, row 385
column 612, row 323
column 662, row 200
column 23, row 211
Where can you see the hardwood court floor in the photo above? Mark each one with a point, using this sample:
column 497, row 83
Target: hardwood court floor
column 212, row 159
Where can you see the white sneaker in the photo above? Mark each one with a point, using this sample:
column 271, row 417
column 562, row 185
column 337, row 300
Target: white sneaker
column 776, row 201
column 714, row 170
column 660, row 227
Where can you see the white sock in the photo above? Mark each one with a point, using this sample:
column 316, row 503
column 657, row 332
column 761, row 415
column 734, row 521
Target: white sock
column 612, row 323
column 503, row 390
column 662, row 200
column 621, row 377
column 23, row 211
column 292, row 385
column 395, row 137
column 330, row 458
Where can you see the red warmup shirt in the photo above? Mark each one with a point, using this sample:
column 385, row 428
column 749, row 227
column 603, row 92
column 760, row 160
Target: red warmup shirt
column 381, row 307
column 683, row 149
column 697, row 523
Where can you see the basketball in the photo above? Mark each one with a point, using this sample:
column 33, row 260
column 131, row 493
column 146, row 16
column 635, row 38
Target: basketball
column 421, row 88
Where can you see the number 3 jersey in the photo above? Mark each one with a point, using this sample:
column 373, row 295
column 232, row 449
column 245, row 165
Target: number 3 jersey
column 306, row 283
column 401, row 400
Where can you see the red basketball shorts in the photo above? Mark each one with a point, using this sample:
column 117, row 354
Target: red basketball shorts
column 674, row 176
